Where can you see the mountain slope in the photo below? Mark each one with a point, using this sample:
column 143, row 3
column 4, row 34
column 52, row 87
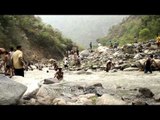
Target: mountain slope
column 140, row 27
column 37, row 39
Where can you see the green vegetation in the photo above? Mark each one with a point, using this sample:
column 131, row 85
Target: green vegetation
column 38, row 40
column 140, row 27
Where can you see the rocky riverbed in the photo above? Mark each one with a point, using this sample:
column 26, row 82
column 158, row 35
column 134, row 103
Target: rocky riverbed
column 91, row 88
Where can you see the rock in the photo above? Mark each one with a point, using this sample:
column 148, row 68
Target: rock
column 145, row 92
column 32, row 85
column 138, row 102
column 49, row 90
column 107, row 99
column 157, row 98
column 102, row 49
column 30, row 95
column 71, row 103
column 50, row 81
column 45, row 100
column 59, row 101
column 123, row 66
column 98, row 85
column 94, row 67
column 84, row 53
column 146, row 51
column 88, row 96
column 10, row 91
column 128, row 48
column 131, row 69
column 113, row 70
column 138, row 56
column 84, row 101
column 95, row 88
column 118, row 87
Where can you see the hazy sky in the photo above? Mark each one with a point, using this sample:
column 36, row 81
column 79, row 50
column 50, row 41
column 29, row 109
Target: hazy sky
column 82, row 28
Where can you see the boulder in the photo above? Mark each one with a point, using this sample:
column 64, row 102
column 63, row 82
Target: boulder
column 157, row 97
column 32, row 85
column 84, row 53
column 128, row 48
column 145, row 92
column 10, row 91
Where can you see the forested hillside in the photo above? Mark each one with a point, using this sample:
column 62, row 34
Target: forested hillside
column 38, row 40
column 140, row 27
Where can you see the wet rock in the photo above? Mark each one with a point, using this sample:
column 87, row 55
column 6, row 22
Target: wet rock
column 145, row 92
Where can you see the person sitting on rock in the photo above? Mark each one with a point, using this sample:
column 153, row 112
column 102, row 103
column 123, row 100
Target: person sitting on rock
column 59, row 74
column 148, row 63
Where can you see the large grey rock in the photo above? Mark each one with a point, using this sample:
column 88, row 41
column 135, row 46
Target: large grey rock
column 32, row 85
column 10, row 91
column 84, row 53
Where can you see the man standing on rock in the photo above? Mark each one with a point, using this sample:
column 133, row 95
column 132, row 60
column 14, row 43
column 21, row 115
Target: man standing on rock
column 18, row 62
column 148, row 63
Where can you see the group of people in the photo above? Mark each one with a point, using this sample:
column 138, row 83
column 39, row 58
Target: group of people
column 72, row 58
column 13, row 61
